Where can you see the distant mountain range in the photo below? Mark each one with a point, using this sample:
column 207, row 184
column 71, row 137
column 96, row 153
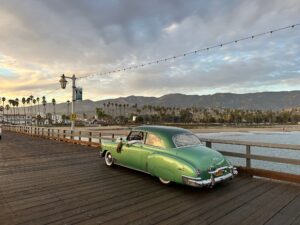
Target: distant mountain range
column 262, row 100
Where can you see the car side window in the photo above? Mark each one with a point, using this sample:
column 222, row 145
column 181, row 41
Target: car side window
column 136, row 136
column 154, row 140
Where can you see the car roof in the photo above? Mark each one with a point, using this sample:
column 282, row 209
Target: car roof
column 166, row 133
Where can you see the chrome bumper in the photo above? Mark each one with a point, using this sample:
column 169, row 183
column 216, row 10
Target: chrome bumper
column 198, row 182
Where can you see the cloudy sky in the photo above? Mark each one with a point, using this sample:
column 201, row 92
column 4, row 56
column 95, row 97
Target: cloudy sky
column 41, row 39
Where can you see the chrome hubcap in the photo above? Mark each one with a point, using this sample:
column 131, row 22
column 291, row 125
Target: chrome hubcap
column 108, row 159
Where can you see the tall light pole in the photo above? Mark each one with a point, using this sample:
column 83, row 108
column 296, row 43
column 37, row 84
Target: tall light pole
column 63, row 83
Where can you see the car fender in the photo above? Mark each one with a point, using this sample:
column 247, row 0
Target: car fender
column 169, row 167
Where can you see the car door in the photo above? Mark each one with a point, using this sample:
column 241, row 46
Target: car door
column 130, row 154
column 153, row 144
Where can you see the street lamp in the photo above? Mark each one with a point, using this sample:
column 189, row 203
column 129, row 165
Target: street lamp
column 63, row 83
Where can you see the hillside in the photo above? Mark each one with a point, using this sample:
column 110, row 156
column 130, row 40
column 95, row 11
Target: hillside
column 263, row 101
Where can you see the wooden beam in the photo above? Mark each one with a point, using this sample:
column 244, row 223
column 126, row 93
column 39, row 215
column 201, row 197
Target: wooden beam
column 270, row 174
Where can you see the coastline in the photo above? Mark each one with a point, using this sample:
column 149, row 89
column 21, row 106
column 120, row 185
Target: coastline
column 276, row 128
column 199, row 129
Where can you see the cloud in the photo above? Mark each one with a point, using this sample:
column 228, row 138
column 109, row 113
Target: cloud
column 40, row 40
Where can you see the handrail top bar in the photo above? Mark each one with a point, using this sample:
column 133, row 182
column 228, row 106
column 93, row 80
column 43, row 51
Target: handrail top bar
column 251, row 143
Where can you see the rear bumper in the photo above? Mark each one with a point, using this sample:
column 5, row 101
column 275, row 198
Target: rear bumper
column 198, row 182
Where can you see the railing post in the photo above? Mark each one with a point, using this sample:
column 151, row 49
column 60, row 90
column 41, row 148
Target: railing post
column 100, row 138
column 79, row 135
column 48, row 131
column 71, row 135
column 43, row 132
column 113, row 137
column 64, row 134
column 90, row 137
column 248, row 155
column 208, row 144
column 58, row 134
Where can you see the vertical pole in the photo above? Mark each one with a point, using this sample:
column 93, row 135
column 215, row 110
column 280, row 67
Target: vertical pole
column 248, row 154
column 73, row 101
column 90, row 137
column 79, row 135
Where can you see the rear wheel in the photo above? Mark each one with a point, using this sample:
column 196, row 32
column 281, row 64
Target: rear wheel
column 109, row 160
column 166, row 182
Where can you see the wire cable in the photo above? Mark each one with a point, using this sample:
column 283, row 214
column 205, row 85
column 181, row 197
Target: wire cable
column 157, row 61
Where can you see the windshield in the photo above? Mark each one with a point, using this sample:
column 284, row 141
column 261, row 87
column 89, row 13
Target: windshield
column 181, row 140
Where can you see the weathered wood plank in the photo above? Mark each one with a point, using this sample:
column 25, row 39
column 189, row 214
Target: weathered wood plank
column 44, row 181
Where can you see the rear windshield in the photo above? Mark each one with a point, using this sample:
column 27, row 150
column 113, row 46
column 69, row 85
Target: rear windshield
column 181, row 140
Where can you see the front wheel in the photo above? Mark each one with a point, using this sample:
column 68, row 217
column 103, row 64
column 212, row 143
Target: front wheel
column 166, row 182
column 109, row 161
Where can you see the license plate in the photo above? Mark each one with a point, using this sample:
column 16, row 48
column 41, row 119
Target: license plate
column 219, row 173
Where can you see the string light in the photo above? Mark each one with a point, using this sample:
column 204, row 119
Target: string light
column 191, row 52
column 197, row 51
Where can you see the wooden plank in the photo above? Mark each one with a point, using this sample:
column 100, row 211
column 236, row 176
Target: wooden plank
column 44, row 181
column 262, row 158
column 288, row 214
column 278, row 196
column 256, row 144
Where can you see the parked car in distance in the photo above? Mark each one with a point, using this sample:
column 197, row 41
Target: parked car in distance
column 169, row 153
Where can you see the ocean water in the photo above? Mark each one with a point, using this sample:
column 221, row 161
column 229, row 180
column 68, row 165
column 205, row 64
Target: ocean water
column 292, row 138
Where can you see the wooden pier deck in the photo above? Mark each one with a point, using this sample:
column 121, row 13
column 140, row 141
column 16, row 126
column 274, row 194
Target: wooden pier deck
column 49, row 182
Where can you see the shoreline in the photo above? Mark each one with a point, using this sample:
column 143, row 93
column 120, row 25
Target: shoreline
column 204, row 129
column 277, row 128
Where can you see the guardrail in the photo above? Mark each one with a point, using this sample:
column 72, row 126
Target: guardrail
column 89, row 138
column 93, row 139
column 248, row 156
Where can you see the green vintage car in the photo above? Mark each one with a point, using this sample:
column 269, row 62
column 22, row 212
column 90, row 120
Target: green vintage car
column 169, row 153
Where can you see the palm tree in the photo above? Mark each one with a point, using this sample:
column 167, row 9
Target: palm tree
column 23, row 102
column 38, row 104
column 34, row 107
column 28, row 107
column 11, row 103
column 44, row 104
column 17, row 105
column 7, row 109
column 54, row 113
column 3, row 101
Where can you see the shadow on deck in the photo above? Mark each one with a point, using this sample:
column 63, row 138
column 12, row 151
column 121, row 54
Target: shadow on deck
column 50, row 182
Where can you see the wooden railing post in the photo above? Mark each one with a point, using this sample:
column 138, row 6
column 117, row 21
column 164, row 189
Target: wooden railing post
column 64, row 134
column 100, row 138
column 58, row 138
column 90, row 137
column 248, row 155
column 43, row 131
column 48, row 131
column 71, row 135
column 79, row 135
